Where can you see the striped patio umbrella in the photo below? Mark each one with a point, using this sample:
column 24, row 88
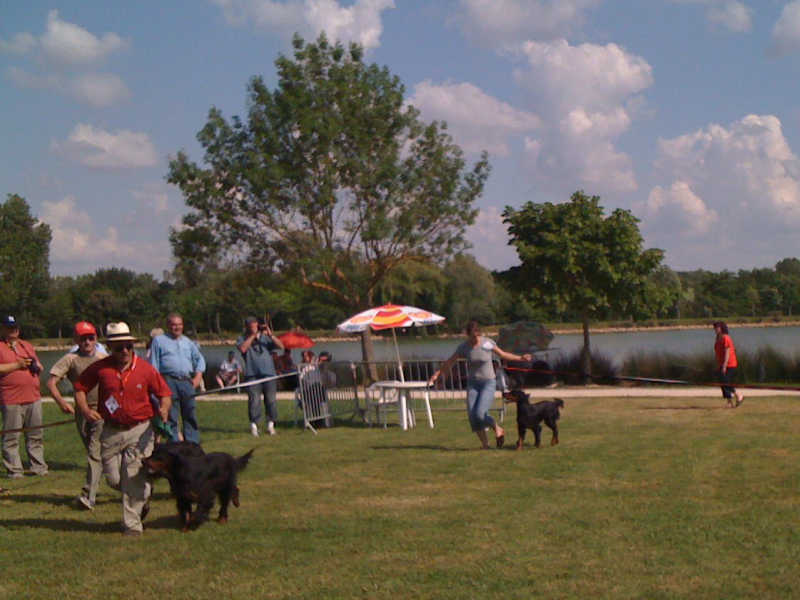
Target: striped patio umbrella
column 390, row 316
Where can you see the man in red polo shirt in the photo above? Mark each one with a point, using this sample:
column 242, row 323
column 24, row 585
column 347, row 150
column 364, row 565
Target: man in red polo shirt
column 20, row 400
column 125, row 383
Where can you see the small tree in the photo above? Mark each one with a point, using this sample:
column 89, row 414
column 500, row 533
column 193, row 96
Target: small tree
column 575, row 258
column 24, row 263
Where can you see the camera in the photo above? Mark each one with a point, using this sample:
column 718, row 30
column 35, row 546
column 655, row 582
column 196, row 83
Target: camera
column 34, row 368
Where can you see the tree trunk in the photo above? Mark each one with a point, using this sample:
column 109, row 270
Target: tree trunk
column 586, row 353
column 368, row 354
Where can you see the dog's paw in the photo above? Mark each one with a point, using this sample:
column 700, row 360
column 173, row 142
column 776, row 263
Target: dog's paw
column 222, row 520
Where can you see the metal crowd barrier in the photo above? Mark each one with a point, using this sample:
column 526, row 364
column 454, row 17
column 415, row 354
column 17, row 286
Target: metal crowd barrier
column 339, row 389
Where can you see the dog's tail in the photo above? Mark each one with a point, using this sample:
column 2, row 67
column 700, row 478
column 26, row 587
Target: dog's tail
column 242, row 461
column 559, row 402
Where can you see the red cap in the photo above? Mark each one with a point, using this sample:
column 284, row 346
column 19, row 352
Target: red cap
column 84, row 328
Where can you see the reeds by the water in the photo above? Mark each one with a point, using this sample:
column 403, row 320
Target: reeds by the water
column 765, row 365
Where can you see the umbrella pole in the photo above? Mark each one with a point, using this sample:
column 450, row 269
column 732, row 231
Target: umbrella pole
column 397, row 351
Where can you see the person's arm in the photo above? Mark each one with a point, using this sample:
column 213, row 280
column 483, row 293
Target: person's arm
column 83, row 405
column 199, row 366
column 163, row 407
column 724, row 368
column 509, row 356
column 443, row 368
column 20, row 364
column 247, row 342
column 52, row 386
column 155, row 354
column 275, row 341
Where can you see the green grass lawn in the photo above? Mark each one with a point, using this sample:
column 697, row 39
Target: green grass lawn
column 655, row 498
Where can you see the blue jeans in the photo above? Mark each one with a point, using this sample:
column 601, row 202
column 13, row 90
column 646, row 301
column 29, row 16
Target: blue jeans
column 269, row 391
column 183, row 404
column 480, row 397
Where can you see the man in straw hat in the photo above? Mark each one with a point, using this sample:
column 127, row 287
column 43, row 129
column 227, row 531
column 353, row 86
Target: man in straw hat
column 71, row 365
column 124, row 383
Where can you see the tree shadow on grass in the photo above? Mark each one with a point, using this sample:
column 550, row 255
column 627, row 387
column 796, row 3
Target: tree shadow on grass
column 434, row 447
column 62, row 525
column 64, row 466
column 684, row 408
column 52, row 499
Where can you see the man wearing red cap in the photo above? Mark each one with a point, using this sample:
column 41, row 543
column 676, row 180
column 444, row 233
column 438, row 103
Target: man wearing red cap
column 71, row 365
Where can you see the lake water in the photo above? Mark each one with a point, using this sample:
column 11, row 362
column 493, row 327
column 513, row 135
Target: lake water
column 616, row 345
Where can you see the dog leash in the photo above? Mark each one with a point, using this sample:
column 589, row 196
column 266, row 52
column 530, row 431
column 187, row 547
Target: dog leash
column 42, row 426
column 245, row 384
column 752, row 386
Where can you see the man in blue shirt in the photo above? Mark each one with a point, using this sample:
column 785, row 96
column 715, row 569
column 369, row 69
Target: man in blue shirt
column 256, row 345
column 179, row 361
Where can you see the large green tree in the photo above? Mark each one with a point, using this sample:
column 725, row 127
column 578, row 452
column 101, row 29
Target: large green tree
column 331, row 178
column 24, row 263
column 576, row 258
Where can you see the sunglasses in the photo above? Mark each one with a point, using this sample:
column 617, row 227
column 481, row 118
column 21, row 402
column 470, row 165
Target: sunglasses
column 88, row 338
column 121, row 347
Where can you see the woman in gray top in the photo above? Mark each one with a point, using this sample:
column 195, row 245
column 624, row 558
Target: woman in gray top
column 478, row 351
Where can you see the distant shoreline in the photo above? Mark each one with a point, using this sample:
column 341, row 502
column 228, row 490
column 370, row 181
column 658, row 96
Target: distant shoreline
column 493, row 331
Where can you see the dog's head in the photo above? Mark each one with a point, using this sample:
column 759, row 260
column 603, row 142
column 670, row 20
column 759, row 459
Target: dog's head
column 558, row 402
column 160, row 463
column 517, row 396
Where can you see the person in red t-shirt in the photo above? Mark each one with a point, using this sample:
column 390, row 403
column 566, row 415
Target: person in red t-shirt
column 727, row 363
column 20, row 400
column 125, row 383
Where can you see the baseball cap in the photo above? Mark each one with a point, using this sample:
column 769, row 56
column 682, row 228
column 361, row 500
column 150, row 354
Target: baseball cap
column 84, row 328
column 9, row 321
column 249, row 320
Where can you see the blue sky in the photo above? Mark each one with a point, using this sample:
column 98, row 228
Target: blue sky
column 686, row 112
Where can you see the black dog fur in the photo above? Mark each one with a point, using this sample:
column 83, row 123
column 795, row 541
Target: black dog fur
column 530, row 416
column 198, row 480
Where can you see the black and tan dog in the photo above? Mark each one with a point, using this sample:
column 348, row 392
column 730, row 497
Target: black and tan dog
column 530, row 416
column 199, row 480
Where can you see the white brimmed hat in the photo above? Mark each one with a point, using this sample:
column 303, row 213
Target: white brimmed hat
column 119, row 332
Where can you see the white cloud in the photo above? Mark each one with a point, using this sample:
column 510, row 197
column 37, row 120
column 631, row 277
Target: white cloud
column 585, row 94
column 786, row 33
column 745, row 173
column 733, row 15
column 98, row 89
column 476, row 120
column 70, row 44
column 499, row 23
column 587, row 75
column 101, row 149
column 21, row 43
column 79, row 245
column 360, row 22
column 489, row 238
column 679, row 209
column 63, row 54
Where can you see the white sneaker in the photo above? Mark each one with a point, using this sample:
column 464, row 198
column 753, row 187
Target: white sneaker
column 270, row 428
column 254, row 429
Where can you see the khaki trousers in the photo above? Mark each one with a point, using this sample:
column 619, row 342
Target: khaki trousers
column 122, row 451
column 90, row 432
column 14, row 417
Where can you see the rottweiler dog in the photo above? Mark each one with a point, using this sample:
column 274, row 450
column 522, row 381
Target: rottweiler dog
column 198, row 480
column 530, row 416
